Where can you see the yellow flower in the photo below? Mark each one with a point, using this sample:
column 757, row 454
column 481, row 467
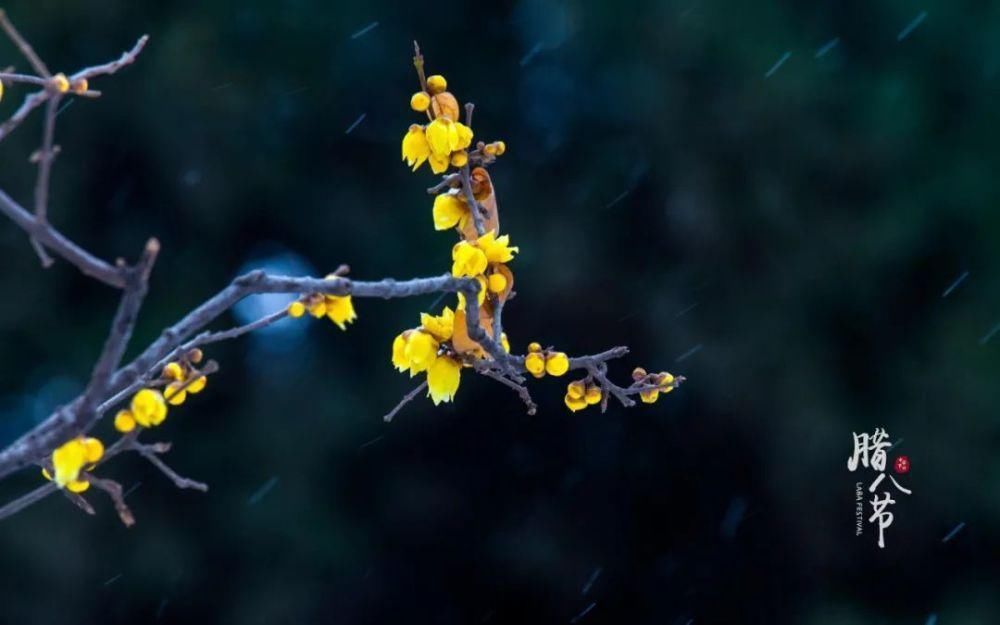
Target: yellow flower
column 534, row 347
column 70, row 458
column 497, row 282
column 650, row 396
column 439, row 164
column 442, row 136
column 464, row 137
column 497, row 249
column 534, row 362
column 593, row 395
column 576, row 389
column 80, row 86
column 340, row 310
column 197, row 385
column 175, row 393
column 173, row 371
column 574, row 403
column 460, row 158
column 60, row 82
column 468, row 260
column 317, row 307
column 419, row 101
column 421, row 351
column 78, row 486
column 415, row 148
column 296, row 309
column 441, row 327
column 149, row 408
column 450, row 211
column 124, row 421
column 443, row 378
column 399, row 359
column 436, row 83
column 557, row 363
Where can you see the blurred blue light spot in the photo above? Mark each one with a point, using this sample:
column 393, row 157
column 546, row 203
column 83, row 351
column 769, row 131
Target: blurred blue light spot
column 288, row 333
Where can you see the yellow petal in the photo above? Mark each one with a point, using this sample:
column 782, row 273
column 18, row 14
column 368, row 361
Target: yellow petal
column 443, row 378
column 415, row 148
column 340, row 310
column 464, row 136
column 449, row 210
column 440, row 327
column 441, row 137
column 421, row 351
column 399, row 359
column 439, row 164
column 468, row 260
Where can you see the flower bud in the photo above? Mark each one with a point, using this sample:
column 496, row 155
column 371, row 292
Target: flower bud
column 419, row 101
column 436, row 83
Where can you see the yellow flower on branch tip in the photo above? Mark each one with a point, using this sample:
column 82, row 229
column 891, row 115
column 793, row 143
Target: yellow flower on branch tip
column 415, row 148
column 468, row 260
column 440, row 327
column 420, row 352
column 534, row 362
column 557, row 364
column 124, row 421
column 593, row 395
column 650, row 396
column 340, row 310
column 576, row 389
column 460, row 158
column 148, row 407
column 296, row 309
column 534, row 347
column 443, row 378
column 450, row 211
column 497, row 249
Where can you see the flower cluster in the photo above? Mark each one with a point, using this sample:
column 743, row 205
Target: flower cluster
column 538, row 362
column 337, row 308
column 70, row 458
column 582, row 393
column 658, row 383
column 445, row 140
column 431, row 348
column 148, row 407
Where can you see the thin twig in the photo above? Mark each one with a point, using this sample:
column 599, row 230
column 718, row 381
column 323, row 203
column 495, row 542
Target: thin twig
column 406, row 399
column 46, row 156
column 149, row 452
column 22, row 45
column 522, row 390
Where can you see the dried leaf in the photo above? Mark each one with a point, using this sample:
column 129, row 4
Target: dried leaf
column 482, row 189
column 460, row 338
column 444, row 104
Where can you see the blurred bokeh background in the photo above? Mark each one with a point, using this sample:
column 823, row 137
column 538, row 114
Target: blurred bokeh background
column 771, row 198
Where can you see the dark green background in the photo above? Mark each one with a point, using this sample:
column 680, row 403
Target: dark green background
column 800, row 228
